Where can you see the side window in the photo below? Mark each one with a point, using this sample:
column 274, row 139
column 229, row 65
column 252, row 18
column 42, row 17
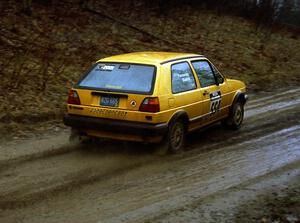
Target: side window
column 182, row 78
column 204, row 73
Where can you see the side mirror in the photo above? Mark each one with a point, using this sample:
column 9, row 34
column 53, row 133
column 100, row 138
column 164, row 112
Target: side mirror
column 220, row 80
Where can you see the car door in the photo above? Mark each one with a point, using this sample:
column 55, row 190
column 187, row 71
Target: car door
column 212, row 89
column 184, row 89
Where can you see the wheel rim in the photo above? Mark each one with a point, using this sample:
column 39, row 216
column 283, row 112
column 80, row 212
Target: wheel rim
column 238, row 114
column 177, row 136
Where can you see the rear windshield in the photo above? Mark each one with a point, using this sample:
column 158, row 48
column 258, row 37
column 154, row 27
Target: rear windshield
column 120, row 77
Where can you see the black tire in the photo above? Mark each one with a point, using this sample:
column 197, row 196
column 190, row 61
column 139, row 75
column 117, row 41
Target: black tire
column 235, row 119
column 77, row 138
column 174, row 140
column 176, row 136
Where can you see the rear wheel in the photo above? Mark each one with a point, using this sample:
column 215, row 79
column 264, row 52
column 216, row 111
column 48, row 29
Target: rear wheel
column 176, row 136
column 174, row 140
column 236, row 116
column 78, row 138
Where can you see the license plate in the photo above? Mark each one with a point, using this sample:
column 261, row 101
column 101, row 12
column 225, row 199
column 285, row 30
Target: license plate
column 109, row 101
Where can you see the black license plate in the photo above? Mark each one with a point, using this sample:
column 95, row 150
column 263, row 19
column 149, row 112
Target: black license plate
column 109, row 101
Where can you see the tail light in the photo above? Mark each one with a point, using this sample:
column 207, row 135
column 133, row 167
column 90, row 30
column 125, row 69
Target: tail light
column 73, row 98
column 150, row 105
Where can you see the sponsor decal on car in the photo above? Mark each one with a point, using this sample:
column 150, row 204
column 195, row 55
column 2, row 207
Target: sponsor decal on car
column 104, row 67
column 215, row 98
column 113, row 86
column 133, row 103
column 108, row 113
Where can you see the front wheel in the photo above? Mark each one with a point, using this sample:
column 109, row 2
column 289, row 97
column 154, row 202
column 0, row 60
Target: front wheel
column 236, row 116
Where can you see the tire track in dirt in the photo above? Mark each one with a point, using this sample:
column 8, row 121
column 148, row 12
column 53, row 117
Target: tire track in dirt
column 156, row 188
column 28, row 150
column 199, row 176
column 33, row 181
column 224, row 205
column 264, row 99
column 274, row 107
column 38, row 179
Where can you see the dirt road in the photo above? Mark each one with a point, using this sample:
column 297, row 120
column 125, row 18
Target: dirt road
column 50, row 180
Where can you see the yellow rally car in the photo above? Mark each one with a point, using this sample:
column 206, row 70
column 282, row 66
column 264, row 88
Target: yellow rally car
column 153, row 97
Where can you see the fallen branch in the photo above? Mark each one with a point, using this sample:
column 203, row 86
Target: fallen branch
column 102, row 14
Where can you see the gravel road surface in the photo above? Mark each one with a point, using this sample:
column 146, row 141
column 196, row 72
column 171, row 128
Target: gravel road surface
column 51, row 180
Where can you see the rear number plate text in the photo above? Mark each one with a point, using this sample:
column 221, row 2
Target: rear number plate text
column 109, row 101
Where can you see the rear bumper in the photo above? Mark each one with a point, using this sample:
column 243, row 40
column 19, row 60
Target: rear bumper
column 115, row 126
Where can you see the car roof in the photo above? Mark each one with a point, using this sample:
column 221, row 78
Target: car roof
column 149, row 57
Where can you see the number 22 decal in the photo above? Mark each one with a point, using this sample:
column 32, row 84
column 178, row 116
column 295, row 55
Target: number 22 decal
column 215, row 101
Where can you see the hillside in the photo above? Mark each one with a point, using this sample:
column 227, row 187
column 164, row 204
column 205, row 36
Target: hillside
column 43, row 54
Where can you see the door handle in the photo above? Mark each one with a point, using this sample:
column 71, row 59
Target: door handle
column 205, row 93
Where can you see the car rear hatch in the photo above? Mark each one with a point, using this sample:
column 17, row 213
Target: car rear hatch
column 116, row 85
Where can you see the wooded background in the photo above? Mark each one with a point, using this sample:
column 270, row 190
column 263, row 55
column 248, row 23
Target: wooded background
column 262, row 11
column 46, row 45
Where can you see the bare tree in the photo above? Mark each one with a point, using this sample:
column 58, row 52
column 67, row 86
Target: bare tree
column 27, row 7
